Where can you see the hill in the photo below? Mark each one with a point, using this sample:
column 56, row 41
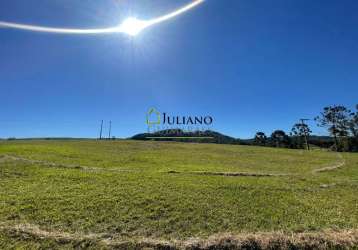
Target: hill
column 179, row 135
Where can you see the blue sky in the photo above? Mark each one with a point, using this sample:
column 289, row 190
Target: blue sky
column 251, row 64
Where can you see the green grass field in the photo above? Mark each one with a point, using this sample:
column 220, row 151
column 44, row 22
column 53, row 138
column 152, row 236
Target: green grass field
column 90, row 194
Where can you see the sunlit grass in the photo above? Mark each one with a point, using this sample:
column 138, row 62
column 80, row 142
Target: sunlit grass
column 150, row 202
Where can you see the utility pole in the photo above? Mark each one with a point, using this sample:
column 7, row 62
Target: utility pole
column 101, row 130
column 110, row 130
column 304, row 126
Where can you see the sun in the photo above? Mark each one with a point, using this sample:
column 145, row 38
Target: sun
column 132, row 26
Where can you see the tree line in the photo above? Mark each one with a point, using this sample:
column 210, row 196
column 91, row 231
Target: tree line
column 341, row 124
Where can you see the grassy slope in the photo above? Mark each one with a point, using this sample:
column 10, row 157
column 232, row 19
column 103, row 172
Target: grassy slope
column 149, row 202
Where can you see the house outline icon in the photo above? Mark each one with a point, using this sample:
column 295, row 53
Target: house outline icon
column 153, row 112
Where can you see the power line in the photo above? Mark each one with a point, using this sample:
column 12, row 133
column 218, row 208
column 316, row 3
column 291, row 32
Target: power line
column 101, row 130
column 110, row 130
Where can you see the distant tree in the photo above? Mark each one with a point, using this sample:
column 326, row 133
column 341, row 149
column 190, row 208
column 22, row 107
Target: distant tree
column 336, row 119
column 280, row 139
column 301, row 132
column 353, row 124
column 260, row 139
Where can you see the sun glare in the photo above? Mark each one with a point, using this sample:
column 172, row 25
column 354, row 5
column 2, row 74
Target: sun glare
column 132, row 26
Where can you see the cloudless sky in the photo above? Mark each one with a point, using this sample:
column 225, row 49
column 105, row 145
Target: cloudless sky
column 251, row 64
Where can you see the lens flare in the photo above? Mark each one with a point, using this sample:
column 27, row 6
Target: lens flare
column 130, row 26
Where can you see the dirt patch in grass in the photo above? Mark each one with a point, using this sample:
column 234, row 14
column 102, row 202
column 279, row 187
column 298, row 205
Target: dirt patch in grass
column 330, row 239
column 335, row 166
column 237, row 174
column 278, row 240
column 11, row 158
